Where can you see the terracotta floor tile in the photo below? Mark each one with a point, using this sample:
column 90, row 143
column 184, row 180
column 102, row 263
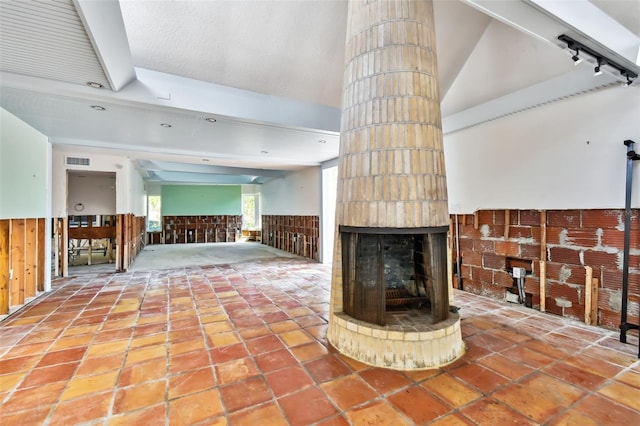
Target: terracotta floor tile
column 317, row 407
column 284, row 326
column 184, row 346
column 288, row 380
column 418, row 405
column 309, row 351
column 33, row 417
column 454, row 419
column 152, row 416
column 253, row 332
column 611, row 356
column 575, row 375
column 22, row 363
column 546, row 349
column 623, row 394
column 295, row 338
column 77, row 387
column 606, row 412
column 528, row 356
column 539, row 397
column 223, row 339
column 142, row 372
column 218, row 327
column 236, row 370
column 185, row 334
column 112, row 335
column 630, row 378
column 384, row 380
column 228, row 353
column 482, row 378
column 245, row 394
column 276, row 360
column 25, row 350
column 91, row 366
column 573, row 418
column 326, row 368
column 139, row 396
column 81, row 410
column 421, row 375
column 191, row 382
column 377, row 413
column 264, row 344
column 451, row 390
column 9, row 381
column 27, row 399
column 193, row 408
column 107, row 348
column 594, row 365
column 490, row 341
column 146, row 353
column 488, row 411
column 349, row 391
column 142, row 341
column 50, row 374
column 505, row 366
column 355, row 365
column 263, row 415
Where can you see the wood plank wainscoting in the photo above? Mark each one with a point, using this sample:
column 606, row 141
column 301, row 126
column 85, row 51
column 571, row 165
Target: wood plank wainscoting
column 22, row 261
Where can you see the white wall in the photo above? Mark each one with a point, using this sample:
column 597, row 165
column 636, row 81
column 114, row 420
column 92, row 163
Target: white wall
column 130, row 191
column 565, row 155
column 298, row 193
column 24, row 169
column 328, row 222
column 91, row 193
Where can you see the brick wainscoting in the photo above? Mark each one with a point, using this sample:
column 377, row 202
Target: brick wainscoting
column 200, row 229
column 569, row 241
column 295, row 234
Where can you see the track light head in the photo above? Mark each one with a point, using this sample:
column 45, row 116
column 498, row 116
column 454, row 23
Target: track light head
column 576, row 58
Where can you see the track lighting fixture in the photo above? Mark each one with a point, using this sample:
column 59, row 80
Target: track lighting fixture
column 576, row 58
column 597, row 71
column 601, row 60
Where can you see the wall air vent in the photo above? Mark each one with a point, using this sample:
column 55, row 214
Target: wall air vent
column 77, row 161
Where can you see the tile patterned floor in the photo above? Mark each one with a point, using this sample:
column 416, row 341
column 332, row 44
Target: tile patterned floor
column 245, row 344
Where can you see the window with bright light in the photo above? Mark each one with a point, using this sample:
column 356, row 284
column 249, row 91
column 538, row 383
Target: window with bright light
column 250, row 211
column 154, row 216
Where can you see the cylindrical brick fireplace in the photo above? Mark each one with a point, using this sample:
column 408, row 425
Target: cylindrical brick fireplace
column 389, row 295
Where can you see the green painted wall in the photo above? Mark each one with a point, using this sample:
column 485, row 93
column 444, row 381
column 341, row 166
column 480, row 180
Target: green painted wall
column 188, row 200
column 23, row 169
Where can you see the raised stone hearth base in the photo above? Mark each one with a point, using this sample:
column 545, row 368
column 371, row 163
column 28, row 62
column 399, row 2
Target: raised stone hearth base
column 393, row 346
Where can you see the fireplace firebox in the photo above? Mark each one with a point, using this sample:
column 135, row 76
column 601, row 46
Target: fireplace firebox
column 393, row 268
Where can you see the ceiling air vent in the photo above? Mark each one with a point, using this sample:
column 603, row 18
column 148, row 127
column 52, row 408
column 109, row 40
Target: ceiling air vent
column 77, row 161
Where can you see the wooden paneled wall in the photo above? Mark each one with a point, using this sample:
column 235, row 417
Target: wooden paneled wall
column 22, row 261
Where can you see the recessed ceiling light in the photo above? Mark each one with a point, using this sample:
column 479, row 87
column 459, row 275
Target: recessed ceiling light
column 322, row 141
column 264, row 152
column 95, row 85
column 165, row 124
column 98, row 107
column 211, row 119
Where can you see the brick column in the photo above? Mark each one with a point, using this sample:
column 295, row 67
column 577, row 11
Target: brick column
column 391, row 166
column 391, row 170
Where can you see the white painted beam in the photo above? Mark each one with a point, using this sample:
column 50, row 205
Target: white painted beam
column 104, row 26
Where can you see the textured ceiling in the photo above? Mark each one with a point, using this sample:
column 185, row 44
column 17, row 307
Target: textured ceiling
column 269, row 71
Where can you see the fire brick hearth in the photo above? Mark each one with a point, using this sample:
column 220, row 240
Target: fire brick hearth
column 390, row 305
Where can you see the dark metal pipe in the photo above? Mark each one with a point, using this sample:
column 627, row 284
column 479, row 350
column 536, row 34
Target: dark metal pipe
column 624, row 325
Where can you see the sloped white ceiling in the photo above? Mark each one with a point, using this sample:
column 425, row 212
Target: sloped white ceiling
column 504, row 60
column 292, row 49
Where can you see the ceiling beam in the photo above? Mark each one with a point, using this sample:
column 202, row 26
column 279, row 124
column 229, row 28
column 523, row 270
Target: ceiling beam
column 104, row 25
column 168, row 166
